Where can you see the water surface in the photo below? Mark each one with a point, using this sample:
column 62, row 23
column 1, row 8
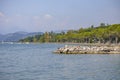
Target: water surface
column 37, row 62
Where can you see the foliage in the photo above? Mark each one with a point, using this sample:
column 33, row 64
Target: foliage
column 102, row 34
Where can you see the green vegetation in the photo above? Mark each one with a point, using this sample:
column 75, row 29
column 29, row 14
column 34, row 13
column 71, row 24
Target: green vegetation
column 101, row 34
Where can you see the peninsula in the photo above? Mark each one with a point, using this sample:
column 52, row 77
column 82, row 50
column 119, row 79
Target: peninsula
column 103, row 39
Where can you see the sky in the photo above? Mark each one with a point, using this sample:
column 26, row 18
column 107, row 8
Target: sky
column 54, row 15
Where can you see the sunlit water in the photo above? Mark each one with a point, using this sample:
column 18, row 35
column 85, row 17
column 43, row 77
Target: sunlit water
column 37, row 62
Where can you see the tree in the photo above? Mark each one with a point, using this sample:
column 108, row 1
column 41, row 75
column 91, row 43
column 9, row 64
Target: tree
column 46, row 37
column 92, row 26
column 108, row 33
column 102, row 24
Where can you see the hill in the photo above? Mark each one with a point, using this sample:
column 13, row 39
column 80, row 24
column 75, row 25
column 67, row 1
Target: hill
column 13, row 37
column 100, row 34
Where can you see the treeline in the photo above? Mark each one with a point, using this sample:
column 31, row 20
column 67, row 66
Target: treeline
column 101, row 34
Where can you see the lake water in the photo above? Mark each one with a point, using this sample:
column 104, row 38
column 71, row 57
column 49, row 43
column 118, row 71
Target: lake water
column 37, row 62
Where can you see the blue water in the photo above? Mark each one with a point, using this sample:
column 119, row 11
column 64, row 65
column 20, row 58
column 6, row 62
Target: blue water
column 37, row 62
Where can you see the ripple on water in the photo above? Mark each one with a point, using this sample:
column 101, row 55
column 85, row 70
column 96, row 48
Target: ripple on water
column 37, row 62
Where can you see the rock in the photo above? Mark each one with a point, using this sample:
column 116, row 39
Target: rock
column 101, row 49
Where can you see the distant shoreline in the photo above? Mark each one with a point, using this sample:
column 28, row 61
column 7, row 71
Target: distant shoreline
column 69, row 43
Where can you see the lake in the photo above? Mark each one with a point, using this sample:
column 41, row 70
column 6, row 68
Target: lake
column 37, row 62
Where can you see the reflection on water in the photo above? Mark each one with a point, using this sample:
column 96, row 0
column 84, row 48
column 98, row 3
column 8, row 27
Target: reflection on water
column 37, row 62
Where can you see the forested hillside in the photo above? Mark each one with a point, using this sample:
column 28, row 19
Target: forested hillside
column 101, row 34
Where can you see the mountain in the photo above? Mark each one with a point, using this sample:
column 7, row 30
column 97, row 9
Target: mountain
column 17, row 36
column 1, row 37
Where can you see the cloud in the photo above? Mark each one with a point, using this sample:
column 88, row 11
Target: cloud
column 1, row 14
column 48, row 16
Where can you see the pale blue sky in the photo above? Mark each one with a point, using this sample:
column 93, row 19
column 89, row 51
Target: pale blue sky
column 52, row 15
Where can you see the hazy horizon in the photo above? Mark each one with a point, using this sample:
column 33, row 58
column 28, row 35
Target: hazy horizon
column 46, row 15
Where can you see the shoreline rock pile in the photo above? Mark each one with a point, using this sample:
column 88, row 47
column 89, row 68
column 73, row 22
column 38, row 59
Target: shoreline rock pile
column 99, row 49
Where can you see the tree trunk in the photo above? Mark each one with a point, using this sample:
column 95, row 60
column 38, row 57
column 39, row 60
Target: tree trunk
column 116, row 40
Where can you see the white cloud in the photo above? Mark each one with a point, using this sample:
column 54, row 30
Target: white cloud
column 48, row 16
column 1, row 14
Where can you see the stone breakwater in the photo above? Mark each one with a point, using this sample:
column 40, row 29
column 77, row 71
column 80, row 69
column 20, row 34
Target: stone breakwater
column 102, row 49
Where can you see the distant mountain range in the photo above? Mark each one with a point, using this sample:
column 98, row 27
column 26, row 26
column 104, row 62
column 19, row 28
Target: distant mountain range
column 12, row 37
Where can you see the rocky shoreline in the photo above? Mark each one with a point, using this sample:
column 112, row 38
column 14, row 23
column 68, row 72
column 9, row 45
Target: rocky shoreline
column 89, row 49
